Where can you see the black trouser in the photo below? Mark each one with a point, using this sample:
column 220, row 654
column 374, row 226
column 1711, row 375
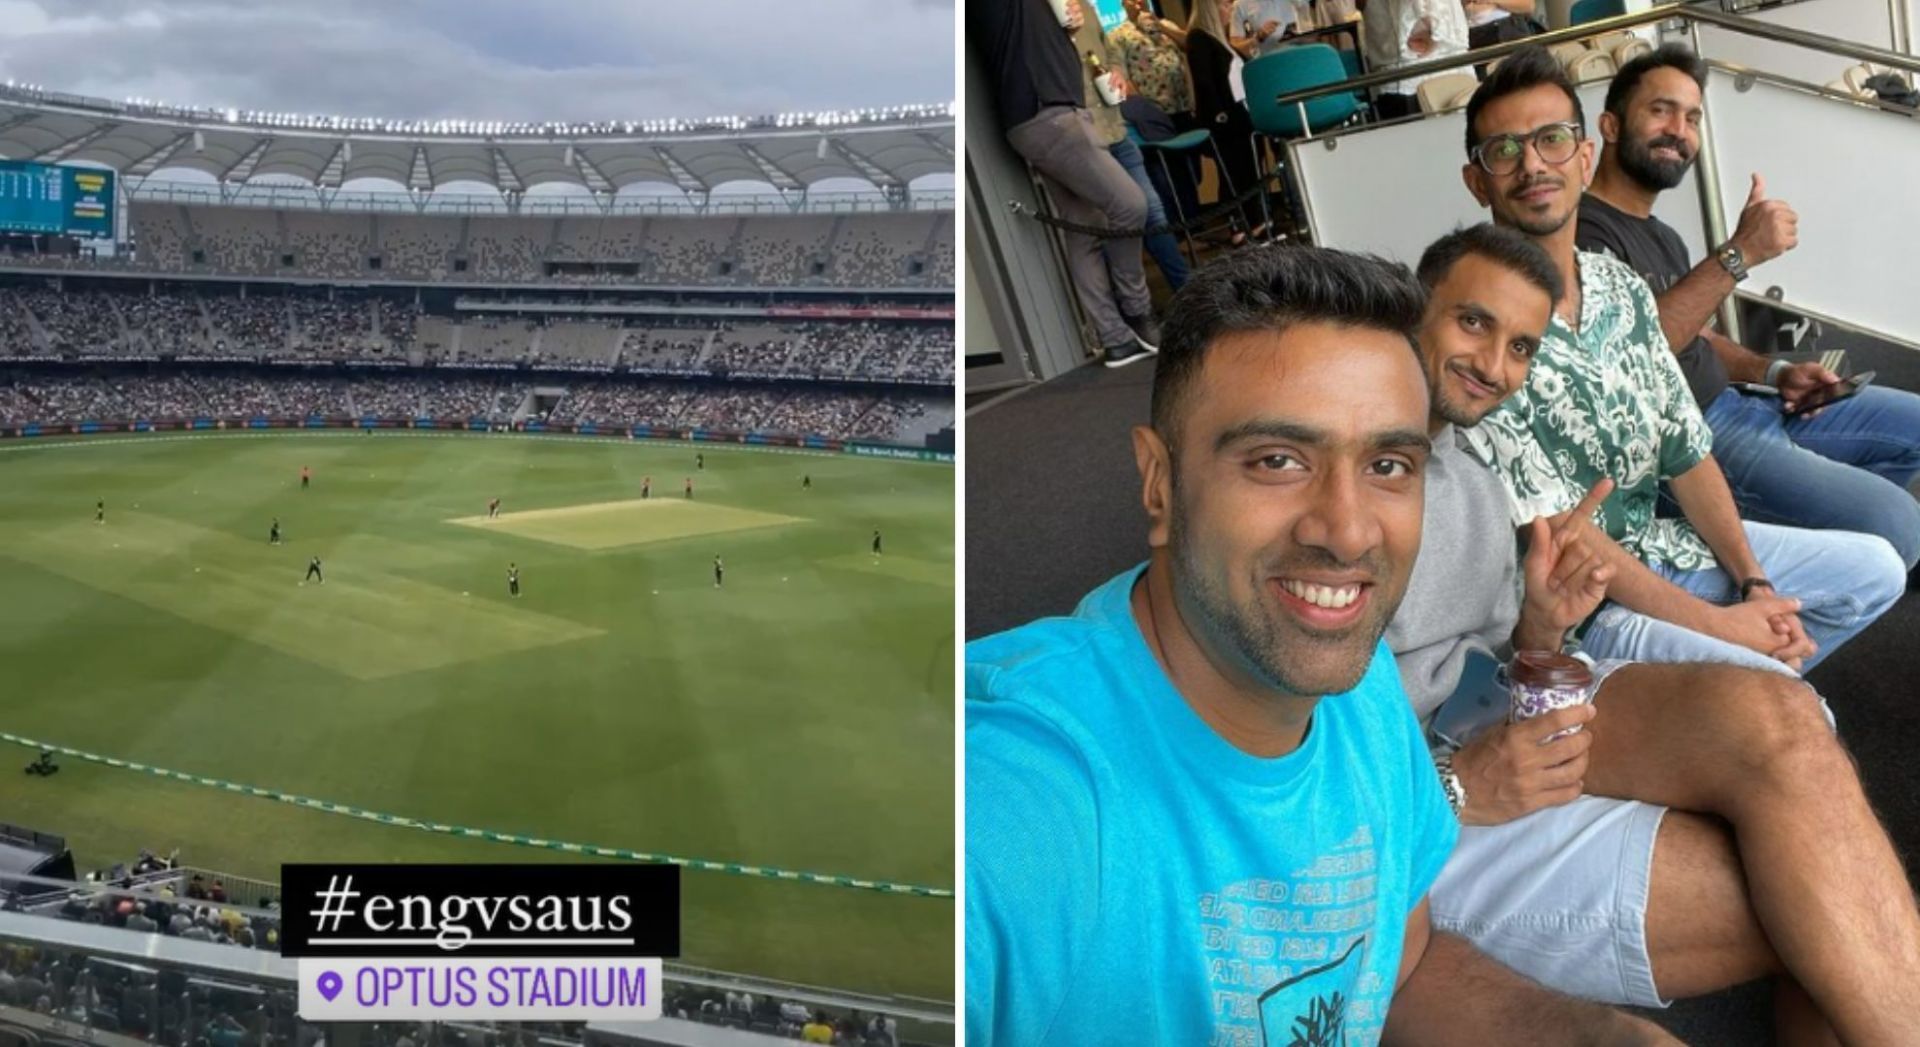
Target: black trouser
column 1392, row 106
column 314, row 572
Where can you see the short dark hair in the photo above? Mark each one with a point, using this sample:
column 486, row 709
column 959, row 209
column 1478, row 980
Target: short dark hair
column 1522, row 70
column 1273, row 289
column 1666, row 56
column 1507, row 248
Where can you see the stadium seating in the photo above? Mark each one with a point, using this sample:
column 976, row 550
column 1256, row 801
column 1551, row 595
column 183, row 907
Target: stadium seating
column 315, row 325
column 912, row 249
column 48, row 396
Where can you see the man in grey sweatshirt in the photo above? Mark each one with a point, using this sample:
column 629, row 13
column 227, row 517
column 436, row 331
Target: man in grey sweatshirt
column 1704, row 827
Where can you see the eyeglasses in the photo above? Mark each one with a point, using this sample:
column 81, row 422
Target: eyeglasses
column 1503, row 154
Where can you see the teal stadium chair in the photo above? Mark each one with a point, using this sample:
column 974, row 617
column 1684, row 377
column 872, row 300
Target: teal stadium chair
column 1293, row 69
column 1184, row 146
column 1350, row 59
column 1585, row 11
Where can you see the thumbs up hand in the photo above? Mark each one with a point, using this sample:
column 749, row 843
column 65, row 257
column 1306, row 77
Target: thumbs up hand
column 1768, row 228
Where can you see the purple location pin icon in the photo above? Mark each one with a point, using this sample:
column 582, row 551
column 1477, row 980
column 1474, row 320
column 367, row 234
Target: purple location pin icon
column 329, row 985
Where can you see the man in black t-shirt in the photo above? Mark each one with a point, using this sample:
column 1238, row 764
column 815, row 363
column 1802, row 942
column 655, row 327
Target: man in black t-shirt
column 1845, row 466
column 1029, row 59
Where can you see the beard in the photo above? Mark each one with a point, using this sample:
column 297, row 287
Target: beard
column 1259, row 638
column 1456, row 414
column 1530, row 223
column 1460, row 412
column 1639, row 163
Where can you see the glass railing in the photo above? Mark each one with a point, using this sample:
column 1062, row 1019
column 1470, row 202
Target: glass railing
column 544, row 205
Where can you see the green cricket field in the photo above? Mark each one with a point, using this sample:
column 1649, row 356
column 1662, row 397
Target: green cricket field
column 799, row 717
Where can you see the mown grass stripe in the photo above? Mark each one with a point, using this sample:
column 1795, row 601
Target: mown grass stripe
column 488, row 834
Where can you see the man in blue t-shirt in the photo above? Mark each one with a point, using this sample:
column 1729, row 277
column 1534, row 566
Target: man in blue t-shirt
column 1200, row 810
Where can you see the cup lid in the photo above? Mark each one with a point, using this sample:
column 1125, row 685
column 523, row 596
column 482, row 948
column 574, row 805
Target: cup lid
column 1548, row 669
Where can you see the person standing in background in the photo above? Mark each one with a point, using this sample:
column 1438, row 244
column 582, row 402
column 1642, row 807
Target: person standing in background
column 1152, row 52
column 1395, row 33
column 1211, row 56
column 1263, row 23
column 1028, row 53
column 1098, row 62
column 1492, row 22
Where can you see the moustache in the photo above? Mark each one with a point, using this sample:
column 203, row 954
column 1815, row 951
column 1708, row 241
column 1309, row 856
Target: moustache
column 1368, row 569
column 1670, row 142
column 1536, row 182
column 1468, row 371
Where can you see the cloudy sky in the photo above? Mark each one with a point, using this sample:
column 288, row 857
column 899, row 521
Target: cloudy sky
column 486, row 59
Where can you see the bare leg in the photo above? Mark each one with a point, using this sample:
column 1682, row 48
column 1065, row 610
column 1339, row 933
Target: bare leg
column 1702, row 934
column 1821, row 876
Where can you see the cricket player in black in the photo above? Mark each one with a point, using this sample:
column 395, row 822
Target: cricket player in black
column 876, row 541
column 719, row 573
column 100, row 512
column 806, row 482
column 699, row 461
column 513, row 580
column 313, row 571
column 273, row 536
column 493, row 508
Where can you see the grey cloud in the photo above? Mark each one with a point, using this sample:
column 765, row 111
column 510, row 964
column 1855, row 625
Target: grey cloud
column 485, row 59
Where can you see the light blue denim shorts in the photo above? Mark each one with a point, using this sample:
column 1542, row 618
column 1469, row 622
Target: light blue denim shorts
column 1561, row 894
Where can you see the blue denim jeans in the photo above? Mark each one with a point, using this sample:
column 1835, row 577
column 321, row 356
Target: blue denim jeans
column 1164, row 248
column 1843, row 581
column 1846, row 470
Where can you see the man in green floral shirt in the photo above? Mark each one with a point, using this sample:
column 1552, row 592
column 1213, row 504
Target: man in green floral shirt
column 1605, row 399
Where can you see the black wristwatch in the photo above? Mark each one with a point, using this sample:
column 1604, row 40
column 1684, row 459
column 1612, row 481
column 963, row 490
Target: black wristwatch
column 1733, row 260
column 1749, row 585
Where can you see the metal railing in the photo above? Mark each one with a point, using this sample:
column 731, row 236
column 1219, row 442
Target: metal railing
column 1684, row 11
column 265, row 965
column 545, row 205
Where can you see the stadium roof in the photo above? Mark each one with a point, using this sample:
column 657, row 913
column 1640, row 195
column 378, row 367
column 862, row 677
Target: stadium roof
column 886, row 147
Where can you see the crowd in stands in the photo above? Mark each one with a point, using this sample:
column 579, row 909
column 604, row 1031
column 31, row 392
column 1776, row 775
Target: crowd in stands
column 788, row 1018
column 866, row 349
column 321, row 327
column 53, row 397
column 456, row 398
column 912, row 249
column 74, row 324
column 665, row 348
column 838, row 415
column 331, row 329
column 167, row 325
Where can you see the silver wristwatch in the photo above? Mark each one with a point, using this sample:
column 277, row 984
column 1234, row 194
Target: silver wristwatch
column 1450, row 783
column 1733, row 260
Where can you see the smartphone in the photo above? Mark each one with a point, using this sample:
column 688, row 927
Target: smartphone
column 1847, row 388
